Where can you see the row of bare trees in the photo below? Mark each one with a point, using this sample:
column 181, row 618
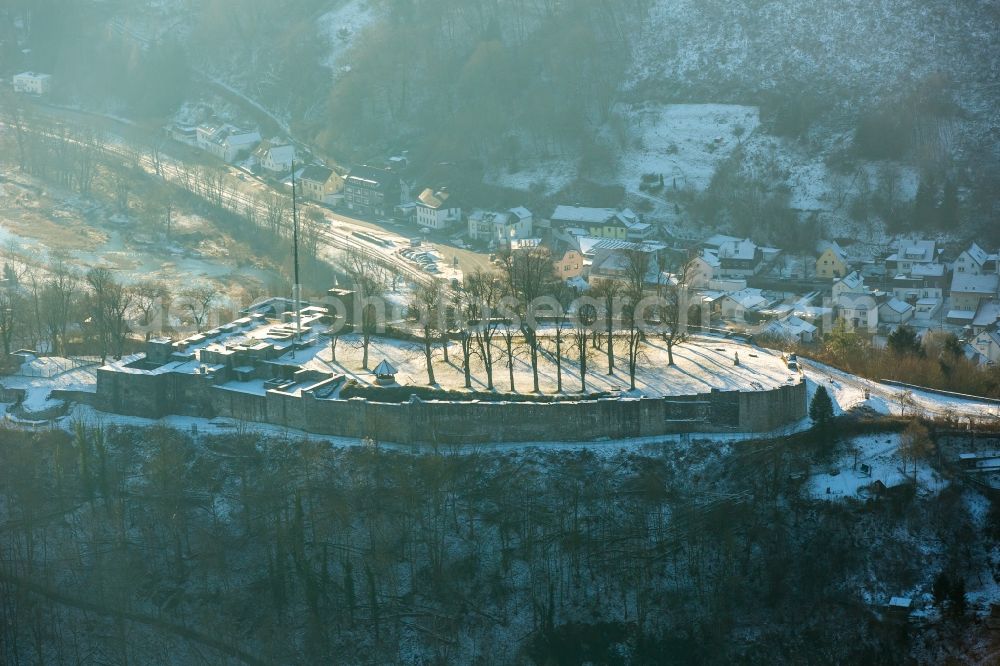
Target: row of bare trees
column 60, row 309
column 524, row 308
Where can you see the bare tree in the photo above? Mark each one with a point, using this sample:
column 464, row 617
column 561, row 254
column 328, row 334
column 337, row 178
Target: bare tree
column 199, row 301
column 673, row 304
column 110, row 303
column 148, row 298
column 609, row 293
column 484, row 291
column 528, row 275
column 638, row 265
column 427, row 305
column 368, row 276
column 59, row 300
column 11, row 303
column 584, row 318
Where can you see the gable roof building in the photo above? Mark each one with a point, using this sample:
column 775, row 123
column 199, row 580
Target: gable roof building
column 602, row 222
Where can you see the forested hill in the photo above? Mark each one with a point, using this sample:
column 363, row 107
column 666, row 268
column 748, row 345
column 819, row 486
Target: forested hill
column 557, row 86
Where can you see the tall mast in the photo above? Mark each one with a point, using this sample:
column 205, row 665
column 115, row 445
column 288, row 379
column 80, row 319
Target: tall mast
column 296, row 287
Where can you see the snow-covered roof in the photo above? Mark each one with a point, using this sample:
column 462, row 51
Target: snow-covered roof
column 914, row 250
column 900, row 602
column 709, row 257
column 718, row 240
column 748, row 298
column 928, row 270
column 738, row 249
column 520, row 212
column 852, row 281
column 587, row 215
column 822, row 246
column 433, row 199
column 987, row 314
column 969, row 283
column 281, row 154
column 384, row 369
column 992, row 336
column 898, row 306
column 977, row 254
column 960, row 315
column 791, row 326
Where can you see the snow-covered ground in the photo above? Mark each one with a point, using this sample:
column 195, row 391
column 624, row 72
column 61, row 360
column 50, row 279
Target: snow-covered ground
column 342, row 25
column 701, row 365
column 848, row 392
column 43, row 375
column 684, row 142
column 880, row 453
column 546, row 176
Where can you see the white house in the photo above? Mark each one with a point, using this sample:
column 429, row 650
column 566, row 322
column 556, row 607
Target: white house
column 702, row 268
column 275, row 156
column 501, row 228
column 926, row 309
column 909, row 253
column 792, row 328
column 987, row 316
column 852, row 283
column 987, row 343
column 437, row 209
column 968, row 290
column 858, row 311
column 32, row 83
column 895, row 311
column 735, row 306
column 975, row 260
column 226, row 141
column 740, row 258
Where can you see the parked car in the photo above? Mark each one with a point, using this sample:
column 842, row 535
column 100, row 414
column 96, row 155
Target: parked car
column 793, row 362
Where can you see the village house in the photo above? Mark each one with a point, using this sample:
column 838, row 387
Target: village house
column 740, row 258
column 976, row 260
column 602, row 222
column 275, row 156
column 924, row 281
column 370, row 190
column 987, row 343
column 568, row 264
column 858, row 311
column 32, row 83
column 702, row 268
column 792, row 329
column 832, row 261
column 987, row 316
column 437, row 209
column 968, row 290
column 926, row 309
column 500, row 228
column 735, row 306
column 895, row 311
column 321, row 184
column 226, row 142
column 852, row 283
column 910, row 253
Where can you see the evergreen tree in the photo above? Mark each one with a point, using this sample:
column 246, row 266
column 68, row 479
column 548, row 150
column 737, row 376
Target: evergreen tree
column 821, row 408
column 903, row 342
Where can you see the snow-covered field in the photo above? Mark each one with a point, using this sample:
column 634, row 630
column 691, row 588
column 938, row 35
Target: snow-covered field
column 547, row 176
column 701, row 365
column 684, row 142
column 880, row 453
column 342, row 25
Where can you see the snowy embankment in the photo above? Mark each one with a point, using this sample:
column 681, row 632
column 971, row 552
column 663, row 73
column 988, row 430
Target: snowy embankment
column 849, row 392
